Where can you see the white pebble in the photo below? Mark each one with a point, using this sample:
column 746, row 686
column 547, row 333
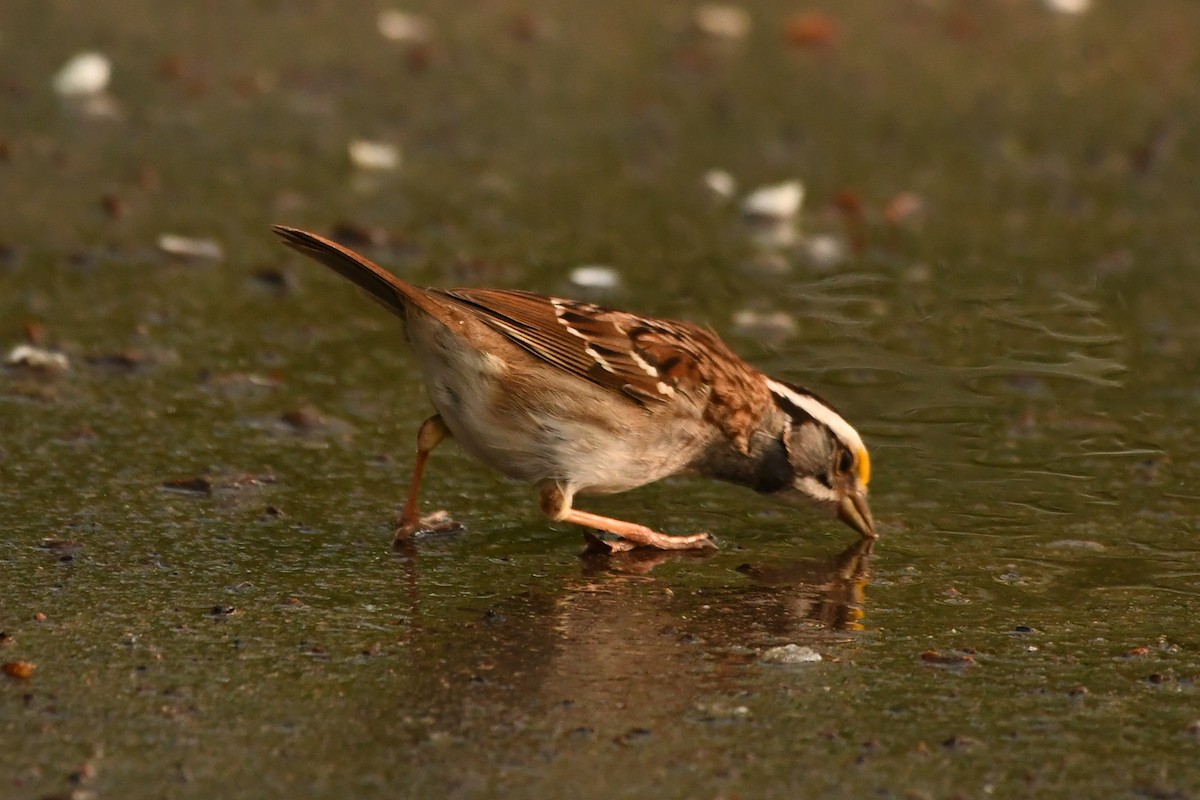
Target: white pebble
column 595, row 276
column 24, row 355
column 401, row 26
column 791, row 654
column 1069, row 6
column 84, row 74
column 824, row 251
column 781, row 201
column 381, row 156
column 722, row 21
column 774, row 326
column 189, row 247
column 720, row 183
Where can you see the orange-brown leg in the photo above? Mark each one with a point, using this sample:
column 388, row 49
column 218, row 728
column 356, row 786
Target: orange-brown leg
column 556, row 504
column 431, row 434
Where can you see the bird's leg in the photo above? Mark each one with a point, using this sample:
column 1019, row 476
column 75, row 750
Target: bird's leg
column 556, row 504
column 431, row 434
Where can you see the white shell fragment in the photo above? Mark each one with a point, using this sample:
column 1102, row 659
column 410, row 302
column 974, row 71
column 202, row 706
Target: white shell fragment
column 722, row 21
column 720, row 183
column 595, row 276
column 779, row 202
column 24, row 355
column 189, row 247
column 378, row 156
column 84, row 74
column 1069, row 6
column 771, row 326
column 401, row 26
column 791, row 654
column 824, row 251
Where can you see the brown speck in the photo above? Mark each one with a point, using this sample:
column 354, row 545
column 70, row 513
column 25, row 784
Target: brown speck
column 35, row 333
column 6, row 639
column 304, row 418
column 1135, row 652
column 148, row 179
column 812, row 29
column 223, row 611
column 114, row 206
column 939, row 659
column 354, row 235
column 903, row 208
column 957, row 742
column 83, row 433
column 962, row 26
column 631, row 736
column 1078, row 691
column 39, row 617
column 418, row 58
column 19, row 669
column 275, row 279
column 126, row 360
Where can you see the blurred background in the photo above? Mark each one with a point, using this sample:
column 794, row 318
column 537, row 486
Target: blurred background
column 971, row 224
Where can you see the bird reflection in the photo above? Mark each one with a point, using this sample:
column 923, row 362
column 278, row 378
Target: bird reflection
column 617, row 649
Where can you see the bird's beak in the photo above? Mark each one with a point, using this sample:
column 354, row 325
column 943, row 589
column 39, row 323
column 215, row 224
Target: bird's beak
column 854, row 511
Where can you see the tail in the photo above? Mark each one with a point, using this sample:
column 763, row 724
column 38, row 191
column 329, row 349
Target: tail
column 380, row 284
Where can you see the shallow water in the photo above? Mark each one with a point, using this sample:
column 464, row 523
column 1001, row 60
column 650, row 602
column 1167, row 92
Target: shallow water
column 1020, row 356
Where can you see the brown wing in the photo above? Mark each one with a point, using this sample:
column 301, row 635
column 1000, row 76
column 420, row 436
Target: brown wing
column 649, row 361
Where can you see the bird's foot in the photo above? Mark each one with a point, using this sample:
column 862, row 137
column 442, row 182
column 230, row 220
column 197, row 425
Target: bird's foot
column 437, row 523
column 641, row 537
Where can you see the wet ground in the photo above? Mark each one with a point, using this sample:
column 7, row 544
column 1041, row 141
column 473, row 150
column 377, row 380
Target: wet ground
column 994, row 278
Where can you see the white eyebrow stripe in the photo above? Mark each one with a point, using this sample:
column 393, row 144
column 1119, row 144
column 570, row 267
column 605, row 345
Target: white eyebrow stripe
column 821, row 413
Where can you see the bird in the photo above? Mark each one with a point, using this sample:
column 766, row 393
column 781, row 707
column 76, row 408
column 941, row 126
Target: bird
column 578, row 399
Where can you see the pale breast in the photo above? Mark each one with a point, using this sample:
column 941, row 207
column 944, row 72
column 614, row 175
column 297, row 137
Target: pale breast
column 543, row 424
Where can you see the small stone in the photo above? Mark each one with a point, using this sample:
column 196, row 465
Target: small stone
column 24, row 355
column 19, row 669
column 372, row 155
column 720, row 183
column 721, row 21
column 781, row 201
column 190, row 247
column 1068, row 6
column 824, row 251
column 401, row 26
column 771, row 326
column 84, row 74
column 791, row 654
column 595, row 276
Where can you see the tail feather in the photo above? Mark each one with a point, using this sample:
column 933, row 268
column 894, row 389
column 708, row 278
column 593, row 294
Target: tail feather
column 380, row 284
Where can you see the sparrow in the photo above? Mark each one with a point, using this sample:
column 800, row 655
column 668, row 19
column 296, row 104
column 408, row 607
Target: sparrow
column 578, row 399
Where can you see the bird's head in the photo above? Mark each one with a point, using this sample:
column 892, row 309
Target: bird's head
column 829, row 464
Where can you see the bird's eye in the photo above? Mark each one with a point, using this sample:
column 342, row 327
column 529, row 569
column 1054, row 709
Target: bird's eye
column 846, row 461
